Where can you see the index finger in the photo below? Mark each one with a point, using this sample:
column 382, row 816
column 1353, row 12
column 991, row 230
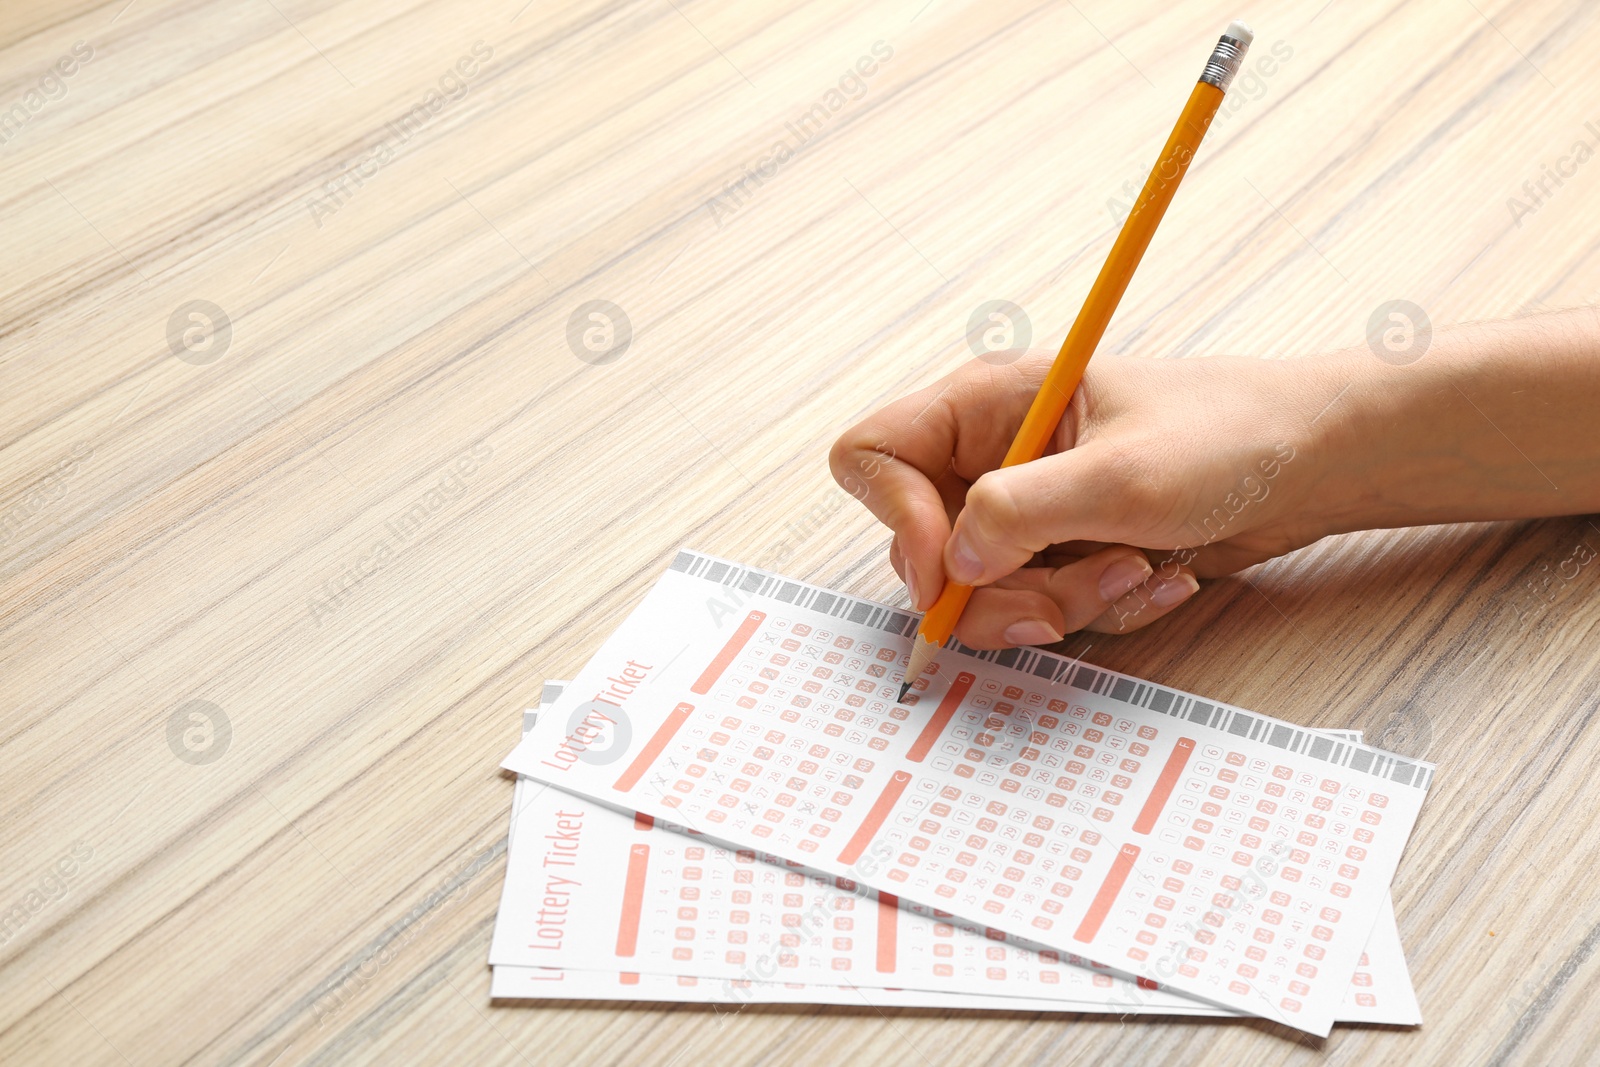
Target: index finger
column 910, row 460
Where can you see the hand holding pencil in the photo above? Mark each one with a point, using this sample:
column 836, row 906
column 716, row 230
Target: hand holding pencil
column 1061, row 381
column 1163, row 471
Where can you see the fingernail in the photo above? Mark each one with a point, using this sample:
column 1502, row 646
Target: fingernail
column 911, row 585
column 1031, row 632
column 965, row 566
column 1122, row 576
column 1175, row 590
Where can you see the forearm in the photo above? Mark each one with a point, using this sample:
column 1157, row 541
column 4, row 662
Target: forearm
column 1495, row 421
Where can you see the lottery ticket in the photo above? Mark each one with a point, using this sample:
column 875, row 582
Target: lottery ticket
column 1208, row 849
column 598, row 904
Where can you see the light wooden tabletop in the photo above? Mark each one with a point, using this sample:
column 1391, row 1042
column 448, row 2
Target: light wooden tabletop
column 304, row 417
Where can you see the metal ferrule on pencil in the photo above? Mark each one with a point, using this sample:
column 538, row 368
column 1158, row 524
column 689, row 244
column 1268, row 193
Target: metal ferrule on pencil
column 1224, row 62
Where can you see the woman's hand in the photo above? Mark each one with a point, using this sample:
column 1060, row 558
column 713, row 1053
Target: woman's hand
column 1164, row 470
column 1161, row 471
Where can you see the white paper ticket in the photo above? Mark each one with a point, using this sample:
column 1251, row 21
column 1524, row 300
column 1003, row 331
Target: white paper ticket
column 601, row 904
column 541, row 983
column 1222, row 853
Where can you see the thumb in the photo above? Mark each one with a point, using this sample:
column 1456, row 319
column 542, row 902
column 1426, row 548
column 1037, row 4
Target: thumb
column 1014, row 512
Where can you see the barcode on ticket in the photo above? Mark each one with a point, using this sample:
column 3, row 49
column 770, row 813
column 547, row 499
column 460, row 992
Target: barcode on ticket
column 759, row 583
column 1058, row 670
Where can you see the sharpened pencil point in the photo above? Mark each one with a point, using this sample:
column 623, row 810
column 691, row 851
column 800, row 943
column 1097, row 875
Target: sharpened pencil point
column 904, row 689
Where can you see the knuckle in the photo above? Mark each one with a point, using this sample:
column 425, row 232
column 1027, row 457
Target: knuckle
column 996, row 512
column 842, row 458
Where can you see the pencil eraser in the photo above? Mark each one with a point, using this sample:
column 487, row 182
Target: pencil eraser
column 1239, row 32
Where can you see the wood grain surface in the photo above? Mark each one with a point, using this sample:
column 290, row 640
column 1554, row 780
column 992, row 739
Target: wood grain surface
column 294, row 423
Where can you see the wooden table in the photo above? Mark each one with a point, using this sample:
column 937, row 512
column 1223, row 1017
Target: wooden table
column 301, row 422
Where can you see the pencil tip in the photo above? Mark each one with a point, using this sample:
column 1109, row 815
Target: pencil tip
column 904, row 689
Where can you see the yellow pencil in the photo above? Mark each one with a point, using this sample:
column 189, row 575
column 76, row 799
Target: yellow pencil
column 1067, row 370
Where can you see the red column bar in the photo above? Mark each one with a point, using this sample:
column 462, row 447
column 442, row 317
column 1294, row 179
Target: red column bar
column 888, row 931
column 1164, row 786
column 633, row 900
column 658, row 743
column 1101, row 906
column 874, row 820
column 941, row 717
column 714, row 670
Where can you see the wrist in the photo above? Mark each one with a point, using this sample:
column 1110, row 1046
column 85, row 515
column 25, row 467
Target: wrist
column 1403, row 445
column 1487, row 422
column 1346, row 445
